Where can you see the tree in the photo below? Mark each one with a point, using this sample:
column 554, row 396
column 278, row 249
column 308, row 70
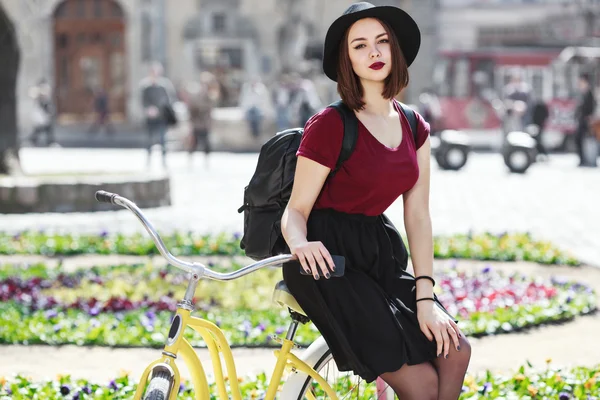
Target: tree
column 10, row 56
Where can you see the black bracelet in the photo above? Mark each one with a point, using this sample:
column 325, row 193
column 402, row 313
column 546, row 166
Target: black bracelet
column 425, row 298
column 425, row 277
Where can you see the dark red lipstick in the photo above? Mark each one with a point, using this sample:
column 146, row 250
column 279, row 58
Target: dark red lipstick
column 377, row 65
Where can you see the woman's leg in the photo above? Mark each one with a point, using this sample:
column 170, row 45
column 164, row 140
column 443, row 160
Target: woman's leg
column 414, row 382
column 451, row 371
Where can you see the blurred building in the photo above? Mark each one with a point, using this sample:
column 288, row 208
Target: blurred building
column 469, row 24
column 82, row 45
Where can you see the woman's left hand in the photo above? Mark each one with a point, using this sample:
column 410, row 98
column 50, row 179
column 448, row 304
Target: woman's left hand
column 438, row 325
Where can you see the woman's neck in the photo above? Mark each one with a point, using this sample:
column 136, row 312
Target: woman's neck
column 375, row 104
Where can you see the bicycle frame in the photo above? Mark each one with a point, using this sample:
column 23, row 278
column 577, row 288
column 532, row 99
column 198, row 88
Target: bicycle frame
column 217, row 344
column 213, row 336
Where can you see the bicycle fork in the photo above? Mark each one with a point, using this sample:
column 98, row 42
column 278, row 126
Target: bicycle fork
column 177, row 345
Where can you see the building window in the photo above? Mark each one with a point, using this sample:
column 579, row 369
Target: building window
column 219, row 23
column 98, row 8
column 233, row 56
column 81, row 8
column 63, row 41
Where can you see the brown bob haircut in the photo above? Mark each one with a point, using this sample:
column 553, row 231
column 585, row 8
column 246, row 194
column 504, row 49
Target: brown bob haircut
column 348, row 83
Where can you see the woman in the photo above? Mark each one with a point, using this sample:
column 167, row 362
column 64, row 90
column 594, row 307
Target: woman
column 377, row 319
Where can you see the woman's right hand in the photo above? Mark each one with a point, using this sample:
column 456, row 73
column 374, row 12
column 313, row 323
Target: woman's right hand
column 315, row 259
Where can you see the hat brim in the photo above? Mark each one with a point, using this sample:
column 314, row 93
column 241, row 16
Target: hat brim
column 403, row 25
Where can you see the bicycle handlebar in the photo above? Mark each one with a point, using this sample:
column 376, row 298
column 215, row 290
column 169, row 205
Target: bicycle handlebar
column 195, row 268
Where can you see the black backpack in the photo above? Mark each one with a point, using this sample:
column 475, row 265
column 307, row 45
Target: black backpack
column 270, row 188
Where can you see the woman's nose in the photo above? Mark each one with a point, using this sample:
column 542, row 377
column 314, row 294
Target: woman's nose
column 375, row 53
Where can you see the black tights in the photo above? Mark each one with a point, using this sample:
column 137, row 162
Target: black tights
column 441, row 379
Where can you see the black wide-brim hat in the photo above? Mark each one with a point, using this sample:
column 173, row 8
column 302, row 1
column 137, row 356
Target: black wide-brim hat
column 405, row 28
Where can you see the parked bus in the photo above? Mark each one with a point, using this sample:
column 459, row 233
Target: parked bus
column 469, row 86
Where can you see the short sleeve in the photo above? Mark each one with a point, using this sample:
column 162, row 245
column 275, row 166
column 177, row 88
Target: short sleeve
column 322, row 138
column 423, row 130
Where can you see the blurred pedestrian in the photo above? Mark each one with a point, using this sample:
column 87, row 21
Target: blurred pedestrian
column 430, row 108
column 102, row 113
column 304, row 97
column 202, row 98
column 281, row 101
column 158, row 94
column 307, row 101
column 539, row 116
column 254, row 100
column 518, row 91
column 586, row 106
column 43, row 113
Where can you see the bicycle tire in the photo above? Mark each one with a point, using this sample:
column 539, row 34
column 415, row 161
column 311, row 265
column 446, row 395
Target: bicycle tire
column 159, row 386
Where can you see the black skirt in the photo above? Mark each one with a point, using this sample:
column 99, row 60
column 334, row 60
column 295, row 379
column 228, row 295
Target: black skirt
column 368, row 316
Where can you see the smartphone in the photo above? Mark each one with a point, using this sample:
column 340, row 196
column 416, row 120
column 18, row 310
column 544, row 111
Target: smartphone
column 340, row 267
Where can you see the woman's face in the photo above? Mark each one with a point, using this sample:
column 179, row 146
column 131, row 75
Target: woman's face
column 369, row 50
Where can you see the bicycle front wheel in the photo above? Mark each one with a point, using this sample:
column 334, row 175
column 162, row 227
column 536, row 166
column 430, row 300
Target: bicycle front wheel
column 160, row 386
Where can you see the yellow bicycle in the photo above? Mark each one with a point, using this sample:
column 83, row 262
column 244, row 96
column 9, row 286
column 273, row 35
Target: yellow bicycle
column 308, row 376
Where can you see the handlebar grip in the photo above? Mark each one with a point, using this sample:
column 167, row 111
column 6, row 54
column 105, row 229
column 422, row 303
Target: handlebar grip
column 105, row 197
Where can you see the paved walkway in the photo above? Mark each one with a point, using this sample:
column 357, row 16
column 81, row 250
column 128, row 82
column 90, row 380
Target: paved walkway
column 554, row 200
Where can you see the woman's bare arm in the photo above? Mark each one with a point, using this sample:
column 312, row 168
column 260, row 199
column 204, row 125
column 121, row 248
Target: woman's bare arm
column 417, row 222
column 308, row 182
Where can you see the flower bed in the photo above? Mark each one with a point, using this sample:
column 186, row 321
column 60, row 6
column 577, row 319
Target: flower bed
column 484, row 246
column 551, row 383
column 131, row 305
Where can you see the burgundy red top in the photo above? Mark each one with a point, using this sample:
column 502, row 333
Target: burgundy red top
column 374, row 176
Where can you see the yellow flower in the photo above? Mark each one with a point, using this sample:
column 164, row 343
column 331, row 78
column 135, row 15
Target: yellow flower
column 532, row 390
column 558, row 378
column 254, row 394
column 123, row 373
column 519, row 377
column 2, row 381
column 199, row 243
column 59, row 377
column 471, row 384
column 214, row 247
column 240, row 379
column 590, row 383
column 226, row 378
column 548, row 360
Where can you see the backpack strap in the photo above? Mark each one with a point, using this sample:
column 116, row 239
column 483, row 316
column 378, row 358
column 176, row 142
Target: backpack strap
column 410, row 115
column 350, row 133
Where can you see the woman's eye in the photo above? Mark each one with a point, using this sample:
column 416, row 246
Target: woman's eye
column 384, row 41
column 360, row 46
